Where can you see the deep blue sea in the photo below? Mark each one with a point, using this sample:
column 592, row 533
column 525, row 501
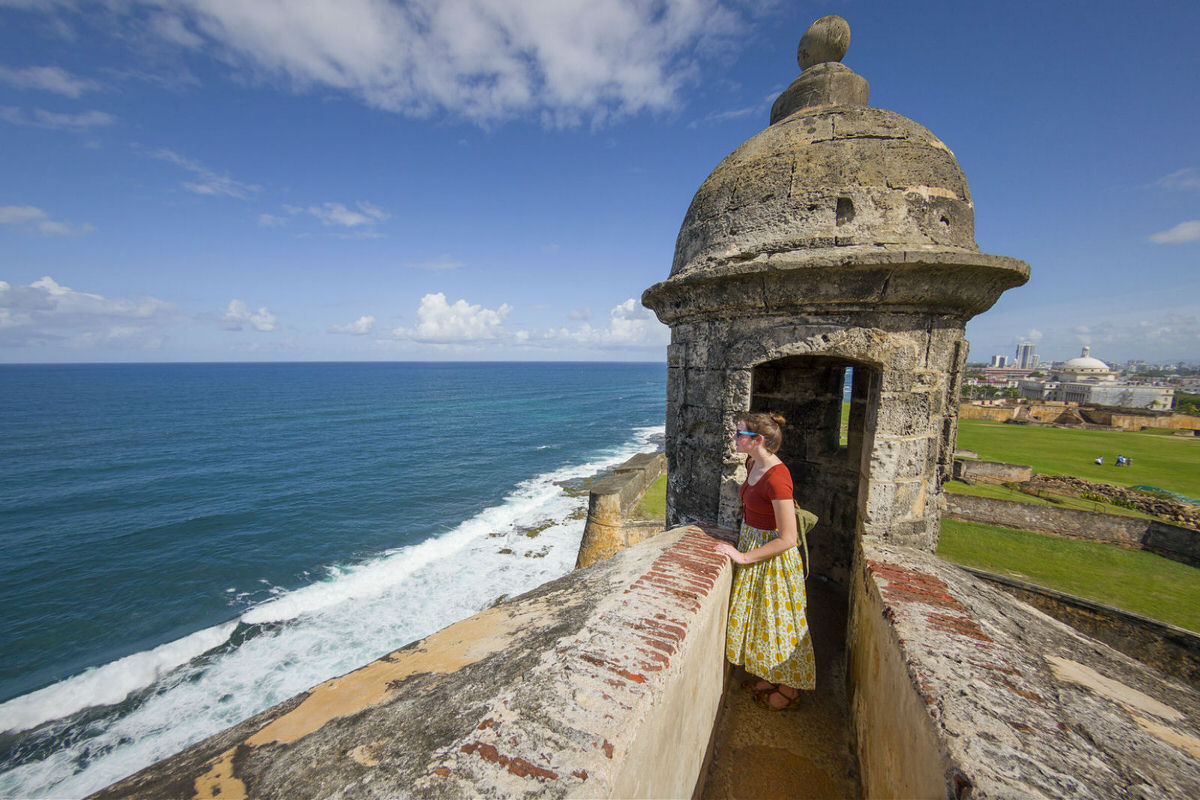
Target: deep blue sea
column 188, row 544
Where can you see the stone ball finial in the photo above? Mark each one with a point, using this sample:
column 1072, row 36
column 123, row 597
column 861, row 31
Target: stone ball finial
column 826, row 40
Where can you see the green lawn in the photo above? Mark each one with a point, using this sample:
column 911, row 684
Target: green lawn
column 1133, row 580
column 1170, row 462
column 654, row 502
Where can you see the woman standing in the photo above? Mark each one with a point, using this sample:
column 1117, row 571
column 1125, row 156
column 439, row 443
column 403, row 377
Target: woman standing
column 768, row 624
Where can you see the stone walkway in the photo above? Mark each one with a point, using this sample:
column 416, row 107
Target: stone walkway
column 801, row 754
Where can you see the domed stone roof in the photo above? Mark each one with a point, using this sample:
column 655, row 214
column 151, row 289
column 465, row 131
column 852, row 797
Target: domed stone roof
column 826, row 179
column 840, row 204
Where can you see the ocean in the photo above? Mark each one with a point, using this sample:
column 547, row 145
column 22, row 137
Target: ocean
column 189, row 544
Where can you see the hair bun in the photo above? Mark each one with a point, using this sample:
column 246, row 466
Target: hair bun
column 779, row 420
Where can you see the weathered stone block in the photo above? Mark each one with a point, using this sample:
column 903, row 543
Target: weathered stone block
column 906, row 457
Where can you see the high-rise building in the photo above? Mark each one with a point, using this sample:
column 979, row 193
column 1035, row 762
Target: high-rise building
column 999, row 361
column 1026, row 357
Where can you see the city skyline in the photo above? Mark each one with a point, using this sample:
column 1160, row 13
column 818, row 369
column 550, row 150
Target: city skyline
column 500, row 180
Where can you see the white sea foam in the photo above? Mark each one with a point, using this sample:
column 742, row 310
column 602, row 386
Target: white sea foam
column 109, row 684
column 358, row 613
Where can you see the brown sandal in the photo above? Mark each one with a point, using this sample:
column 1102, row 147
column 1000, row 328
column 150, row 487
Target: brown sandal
column 763, row 699
column 752, row 685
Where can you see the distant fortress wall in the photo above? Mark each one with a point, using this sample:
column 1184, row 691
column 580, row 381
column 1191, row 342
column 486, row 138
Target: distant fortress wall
column 1171, row 541
column 1048, row 412
column 991, row 471
column 611, row 503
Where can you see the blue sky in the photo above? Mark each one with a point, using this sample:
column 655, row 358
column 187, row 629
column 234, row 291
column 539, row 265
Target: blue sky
column 215, row 180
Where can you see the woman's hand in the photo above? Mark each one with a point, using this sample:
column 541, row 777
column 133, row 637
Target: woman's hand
column 735, row 555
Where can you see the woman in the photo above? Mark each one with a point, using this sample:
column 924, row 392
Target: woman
column 768, row 625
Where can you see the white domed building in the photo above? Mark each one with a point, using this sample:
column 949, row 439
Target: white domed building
column 1087, row 380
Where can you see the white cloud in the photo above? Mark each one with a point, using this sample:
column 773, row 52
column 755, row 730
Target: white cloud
column 47, row 79
column 629, row 325
column 484, row 60
column 438, row 264
column 583, row 314
column 34, row 220
column 174, row 30
column 238, row 315
column 1182, row 233
column 210, row 183
column 46, row 312
column 1034, row 335
column 271, row 221
column 56, row 121
column 360, row 327
column 1187, row 179
column 438, row 322
column 337, row 214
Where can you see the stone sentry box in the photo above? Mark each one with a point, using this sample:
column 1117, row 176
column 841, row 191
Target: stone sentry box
column 840, row 239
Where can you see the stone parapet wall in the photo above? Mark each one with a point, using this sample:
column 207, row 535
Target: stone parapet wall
column 1169, row 649
column 603, row 683
column 611, row 502
column 1048, row 412
column 1170, row 541
column 958, row 691
column 1136, row 422
column 991, row 471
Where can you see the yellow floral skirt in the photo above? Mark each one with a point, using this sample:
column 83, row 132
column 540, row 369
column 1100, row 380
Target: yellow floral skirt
column 768, row 621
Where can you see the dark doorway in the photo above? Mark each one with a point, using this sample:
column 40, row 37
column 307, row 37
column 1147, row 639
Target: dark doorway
column 825, row 455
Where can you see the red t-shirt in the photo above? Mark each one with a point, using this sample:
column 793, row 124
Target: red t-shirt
column 776, row 484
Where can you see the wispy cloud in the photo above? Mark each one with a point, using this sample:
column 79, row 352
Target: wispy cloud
column 238, row 315
column 34, row 220
column 439, row 322
column 339, row 215
column 1187, row 179
column 484, row 60
column 47, row 79
column 46, row 312
column 439, row 264
column 209, row 181
column 1182, row 233
column 40, row 118
column 360, row 327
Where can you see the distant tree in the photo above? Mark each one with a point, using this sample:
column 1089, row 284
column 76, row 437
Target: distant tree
column 1187, row 403
column 1037, row 373
column 1012, row 392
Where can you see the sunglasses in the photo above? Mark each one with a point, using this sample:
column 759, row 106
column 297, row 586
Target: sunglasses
column 748, row 433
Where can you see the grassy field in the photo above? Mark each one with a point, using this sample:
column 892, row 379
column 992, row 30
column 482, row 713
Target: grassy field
column 1170, row 462
column 1133, row 580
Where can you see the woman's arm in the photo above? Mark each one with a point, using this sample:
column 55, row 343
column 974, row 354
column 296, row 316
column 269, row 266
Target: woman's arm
column 785, row 520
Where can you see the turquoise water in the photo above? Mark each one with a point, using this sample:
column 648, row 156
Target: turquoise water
column 189, row 544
